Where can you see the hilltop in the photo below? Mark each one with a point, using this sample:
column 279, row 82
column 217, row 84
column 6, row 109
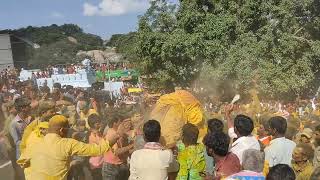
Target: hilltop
column 58, row 44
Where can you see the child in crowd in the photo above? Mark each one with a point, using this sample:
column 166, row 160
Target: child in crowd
column 190, row 155
column 214, row 125
column 263, row 134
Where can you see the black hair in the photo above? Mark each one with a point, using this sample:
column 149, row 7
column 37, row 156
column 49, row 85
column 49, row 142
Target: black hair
column 93, row 119
column 152, row 131
column 215, row 125
column 279, row 124
column 218, row 142
column 45, row 89
column 21, row 103
column 243, row 124
column 114, row 117
column 190, row 134
column 281, row 171
column 69, row 87
column 57, row 85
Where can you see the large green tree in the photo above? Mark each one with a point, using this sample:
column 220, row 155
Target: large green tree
column 274, row 42
column 125, row 44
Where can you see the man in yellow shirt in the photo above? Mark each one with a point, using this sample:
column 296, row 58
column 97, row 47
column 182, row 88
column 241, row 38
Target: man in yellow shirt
column 50, row 158
column 35, row 137
column 46, row 110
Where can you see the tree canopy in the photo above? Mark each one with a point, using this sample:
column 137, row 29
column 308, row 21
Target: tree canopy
column 125, row 44
column 273, row 44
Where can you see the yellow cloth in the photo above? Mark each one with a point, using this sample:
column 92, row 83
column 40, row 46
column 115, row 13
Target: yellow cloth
column 134, row 90
column 84, row 117
column 316, row 112
column 295, row 115
column 50, row 159
column 26, row 133
column 41, row 125
column 176, row 109
column 266, row 168
column 34, row 138
column 58, row 120
column 255, row 105
column 303, row 173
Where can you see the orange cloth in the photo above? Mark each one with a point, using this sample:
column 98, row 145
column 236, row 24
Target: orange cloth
column 265, row 140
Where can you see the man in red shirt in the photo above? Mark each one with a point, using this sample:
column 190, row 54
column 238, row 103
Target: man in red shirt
column 227, row 163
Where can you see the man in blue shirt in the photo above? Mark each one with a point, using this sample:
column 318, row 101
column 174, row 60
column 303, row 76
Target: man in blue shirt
column 20, row 122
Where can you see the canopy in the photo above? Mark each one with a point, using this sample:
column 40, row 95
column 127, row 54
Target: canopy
column 121, row 73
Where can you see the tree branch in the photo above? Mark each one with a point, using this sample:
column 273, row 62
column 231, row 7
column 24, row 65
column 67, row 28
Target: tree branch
column 298, row 31
column 302, row 39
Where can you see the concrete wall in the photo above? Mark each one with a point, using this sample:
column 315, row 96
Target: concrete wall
column 82, row 79
column 6, row 58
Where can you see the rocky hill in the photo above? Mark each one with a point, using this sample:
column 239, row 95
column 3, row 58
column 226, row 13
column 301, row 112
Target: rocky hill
column 58, row 44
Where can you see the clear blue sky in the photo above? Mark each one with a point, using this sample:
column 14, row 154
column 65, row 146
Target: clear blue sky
column 101, row 17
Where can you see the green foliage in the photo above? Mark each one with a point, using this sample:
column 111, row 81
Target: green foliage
column 125, row 44
column 59, row 52
column 274, row 42
column 88, row 42
column 55, row 48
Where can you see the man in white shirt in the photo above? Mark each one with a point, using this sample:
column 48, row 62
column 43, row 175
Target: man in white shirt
column 55, row 70
column 153, row 161
column 243, row 127
column 241, row 130
column 280, row 149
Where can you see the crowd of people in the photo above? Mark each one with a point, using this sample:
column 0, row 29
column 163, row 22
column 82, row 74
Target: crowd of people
column 69, row 133
column 8, row 73
column 76, row 68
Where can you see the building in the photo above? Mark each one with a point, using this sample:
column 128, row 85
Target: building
column 13, row 51
column 6, row 58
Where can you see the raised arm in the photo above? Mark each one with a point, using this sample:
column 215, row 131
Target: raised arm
column 228, row 111
column 83, row 149
column 230, row 124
